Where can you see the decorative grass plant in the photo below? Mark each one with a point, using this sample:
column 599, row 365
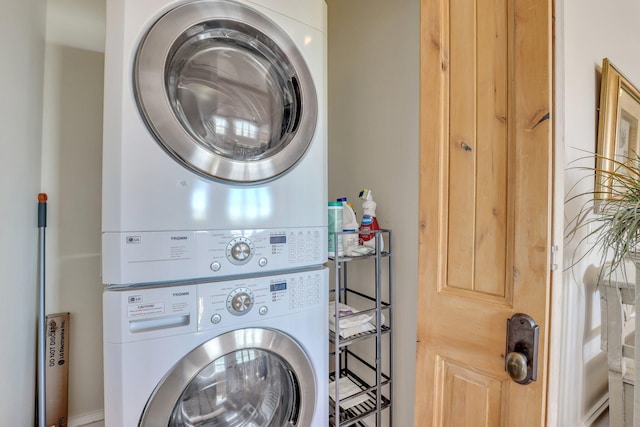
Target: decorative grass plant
column 611, row 213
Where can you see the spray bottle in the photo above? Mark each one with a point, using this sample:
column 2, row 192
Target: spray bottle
column 369, row 221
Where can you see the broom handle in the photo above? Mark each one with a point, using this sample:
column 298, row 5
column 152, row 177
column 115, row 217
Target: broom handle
column 42, row 323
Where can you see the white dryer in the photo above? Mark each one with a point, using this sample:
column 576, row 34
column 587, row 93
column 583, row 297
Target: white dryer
column 214, row 159
column 246, row 353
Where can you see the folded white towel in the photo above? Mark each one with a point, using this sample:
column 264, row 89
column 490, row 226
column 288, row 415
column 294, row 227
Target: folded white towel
column 345, row 310
column 347, row 389
column 360, row 251
column 354, row 324
column 354, row 330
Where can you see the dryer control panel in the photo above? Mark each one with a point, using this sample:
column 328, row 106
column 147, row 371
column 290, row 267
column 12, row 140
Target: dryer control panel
column 224, row 253
column 163, row 257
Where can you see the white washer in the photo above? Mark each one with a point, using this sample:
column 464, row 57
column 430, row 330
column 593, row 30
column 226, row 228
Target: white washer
column 245, row 352
column 214, row 159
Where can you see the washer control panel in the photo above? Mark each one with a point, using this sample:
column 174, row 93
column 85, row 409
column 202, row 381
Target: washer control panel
column 146, row 313
column 244, row 300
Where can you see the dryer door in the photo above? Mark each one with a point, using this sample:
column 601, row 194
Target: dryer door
column 248, row 377
column 225, row 91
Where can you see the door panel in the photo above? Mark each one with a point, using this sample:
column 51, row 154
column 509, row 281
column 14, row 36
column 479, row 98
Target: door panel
column 485, row 206
column 468, row 398
column 478, row 147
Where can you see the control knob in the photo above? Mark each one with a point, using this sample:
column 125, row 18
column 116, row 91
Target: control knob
column 239, row 250
column 240, row 301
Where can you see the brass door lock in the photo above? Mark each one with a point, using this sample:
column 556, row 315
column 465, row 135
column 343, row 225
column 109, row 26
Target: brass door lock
column 521, row 361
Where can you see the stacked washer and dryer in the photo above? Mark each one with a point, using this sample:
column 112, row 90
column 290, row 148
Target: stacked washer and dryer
column 214, row 213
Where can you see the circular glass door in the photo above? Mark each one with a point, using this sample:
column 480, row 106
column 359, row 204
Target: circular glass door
column 244, row 378
column 225, row 91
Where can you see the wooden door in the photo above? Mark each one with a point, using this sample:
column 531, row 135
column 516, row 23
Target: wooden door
column 485, row 208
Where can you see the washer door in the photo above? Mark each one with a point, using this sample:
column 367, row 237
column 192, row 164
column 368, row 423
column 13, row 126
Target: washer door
column 248, row 377
column 225, row 91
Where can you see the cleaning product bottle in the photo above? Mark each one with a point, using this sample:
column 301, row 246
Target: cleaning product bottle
column 335, row 225
column 369, row 221
column 349, row 226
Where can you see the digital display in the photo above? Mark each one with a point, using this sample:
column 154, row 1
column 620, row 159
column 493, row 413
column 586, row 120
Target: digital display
column 277, row 239
column 278, row 286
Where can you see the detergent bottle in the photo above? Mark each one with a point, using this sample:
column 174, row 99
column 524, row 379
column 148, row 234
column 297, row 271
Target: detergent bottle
column 369, row 221
column 349, row 227
column 335, row 212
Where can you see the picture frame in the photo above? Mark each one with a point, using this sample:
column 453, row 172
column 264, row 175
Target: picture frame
column 618, row 131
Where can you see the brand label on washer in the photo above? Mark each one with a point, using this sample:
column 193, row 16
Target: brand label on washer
column 133, row 240
column 138, row 310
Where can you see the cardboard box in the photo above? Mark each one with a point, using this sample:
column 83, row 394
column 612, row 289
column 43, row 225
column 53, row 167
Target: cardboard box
column 57, row 369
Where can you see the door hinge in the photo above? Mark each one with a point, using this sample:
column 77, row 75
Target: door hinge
column 554, row 257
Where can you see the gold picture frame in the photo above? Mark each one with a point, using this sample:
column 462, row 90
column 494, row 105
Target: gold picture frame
column 618, row 130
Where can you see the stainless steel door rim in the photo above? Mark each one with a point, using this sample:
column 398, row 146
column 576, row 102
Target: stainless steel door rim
column 165, row 403
column 225, row 91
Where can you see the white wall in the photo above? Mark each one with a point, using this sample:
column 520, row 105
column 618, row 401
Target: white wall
column 71, row 176
column 588, row 30
column 373, row 143
column 76, row 23
column 21, row 68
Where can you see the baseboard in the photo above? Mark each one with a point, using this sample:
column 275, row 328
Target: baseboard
column 596, row 410
column 86, row 419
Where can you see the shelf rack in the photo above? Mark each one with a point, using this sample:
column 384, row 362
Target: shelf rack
column 369, row 389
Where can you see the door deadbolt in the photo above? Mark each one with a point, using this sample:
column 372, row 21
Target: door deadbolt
column 521, row 360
